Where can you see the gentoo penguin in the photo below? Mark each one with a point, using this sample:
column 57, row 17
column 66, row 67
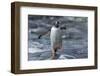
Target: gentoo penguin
column 56, row 39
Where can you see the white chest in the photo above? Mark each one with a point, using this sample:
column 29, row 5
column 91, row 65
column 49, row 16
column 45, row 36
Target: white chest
column 55, row 36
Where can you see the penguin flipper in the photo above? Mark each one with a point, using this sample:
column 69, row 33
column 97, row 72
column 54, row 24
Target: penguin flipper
column 39, row 37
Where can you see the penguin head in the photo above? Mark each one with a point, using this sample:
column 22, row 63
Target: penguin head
column 57, row 24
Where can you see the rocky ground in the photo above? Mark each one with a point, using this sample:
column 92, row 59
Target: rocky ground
column 74, row 38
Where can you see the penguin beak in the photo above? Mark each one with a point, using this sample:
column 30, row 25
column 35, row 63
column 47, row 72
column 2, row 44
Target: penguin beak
column 63, row 28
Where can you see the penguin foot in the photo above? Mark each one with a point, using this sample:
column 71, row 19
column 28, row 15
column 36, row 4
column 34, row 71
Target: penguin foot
column 53, row 56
